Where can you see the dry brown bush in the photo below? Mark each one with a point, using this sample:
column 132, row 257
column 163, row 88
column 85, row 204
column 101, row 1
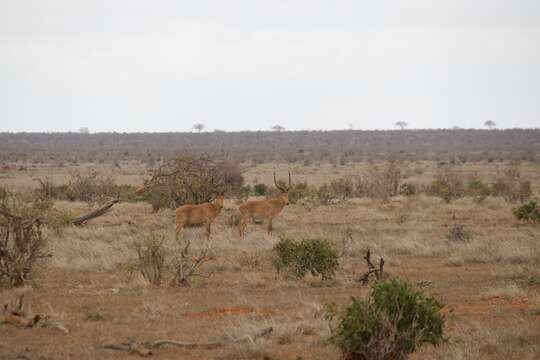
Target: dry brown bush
column 190, row 179
column 186, row 264
column 22, row 242
column 88, row 186
column 151, row 260
column 383, row 182
column 511, row 186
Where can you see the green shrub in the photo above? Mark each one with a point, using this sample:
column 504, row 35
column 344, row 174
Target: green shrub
column 448, row 185
column 407, row 189
column 394, row 322
column 478, row 190
column 528, row 212
column 244, row 192
column 58, row 220
column 260, row 189
column 310, row 255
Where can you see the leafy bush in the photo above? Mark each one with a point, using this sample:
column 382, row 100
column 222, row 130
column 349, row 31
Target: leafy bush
column 310, row 255
column 448, row 185
column 58, row 220
column 407, row 189
column 260, row 189
column 244, row 192
column 528, row 212
column 478, row 190
column 394, row 322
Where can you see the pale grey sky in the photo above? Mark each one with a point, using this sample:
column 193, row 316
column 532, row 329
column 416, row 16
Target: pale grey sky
column 131, row 65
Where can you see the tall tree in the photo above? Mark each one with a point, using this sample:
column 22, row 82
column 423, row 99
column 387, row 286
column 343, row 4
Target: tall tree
column 199, row 127
column 490, row 124
column 402, row 125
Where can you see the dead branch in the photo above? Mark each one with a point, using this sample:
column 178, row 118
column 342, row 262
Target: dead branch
column 378, row 272
column 47, row 321
column 145, row 349
column 186, row 345
column 132, row 347
column 186, row 266
column 81, row 220
column 14, row 313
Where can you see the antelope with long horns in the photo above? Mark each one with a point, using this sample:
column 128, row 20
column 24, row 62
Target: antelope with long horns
column 264, row 209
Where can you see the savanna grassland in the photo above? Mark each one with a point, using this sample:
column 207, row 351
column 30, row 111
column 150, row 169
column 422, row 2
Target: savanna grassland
column 488, row 281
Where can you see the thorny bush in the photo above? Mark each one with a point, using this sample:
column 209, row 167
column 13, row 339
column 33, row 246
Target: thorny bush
column 511, row 187
column 191, row 179
column 151, row 260
column 22, row 243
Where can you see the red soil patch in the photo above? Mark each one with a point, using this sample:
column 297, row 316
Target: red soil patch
column 488, row 306
column 237, row 310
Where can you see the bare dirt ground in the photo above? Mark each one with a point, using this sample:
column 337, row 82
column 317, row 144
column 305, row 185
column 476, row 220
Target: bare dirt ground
column 490, row 285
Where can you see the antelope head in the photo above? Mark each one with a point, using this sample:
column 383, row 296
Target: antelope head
column 284, row 196
column 219, row 193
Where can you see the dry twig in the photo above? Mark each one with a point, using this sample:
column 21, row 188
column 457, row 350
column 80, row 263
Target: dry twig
column 378, row 272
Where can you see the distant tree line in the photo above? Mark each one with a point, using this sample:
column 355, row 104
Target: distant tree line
column 265, row 146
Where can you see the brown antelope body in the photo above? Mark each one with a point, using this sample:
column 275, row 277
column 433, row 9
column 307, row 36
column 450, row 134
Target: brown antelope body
column 264, row 209
column 203, row 214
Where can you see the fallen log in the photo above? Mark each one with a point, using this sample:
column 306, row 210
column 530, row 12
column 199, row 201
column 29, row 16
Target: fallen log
column 145, row 349
column 81, row 220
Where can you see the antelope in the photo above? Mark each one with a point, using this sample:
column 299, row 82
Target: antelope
column 190, row 214
column 203, row 214
column 264, row 209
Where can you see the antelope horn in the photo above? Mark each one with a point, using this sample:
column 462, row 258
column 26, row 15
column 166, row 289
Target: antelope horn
column 289, row 181
column 275, row 181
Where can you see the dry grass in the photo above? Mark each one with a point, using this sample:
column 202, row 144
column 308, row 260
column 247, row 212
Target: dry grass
column 490, row 284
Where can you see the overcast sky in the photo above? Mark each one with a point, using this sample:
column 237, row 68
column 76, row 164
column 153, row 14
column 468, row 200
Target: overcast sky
column 130, row 65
